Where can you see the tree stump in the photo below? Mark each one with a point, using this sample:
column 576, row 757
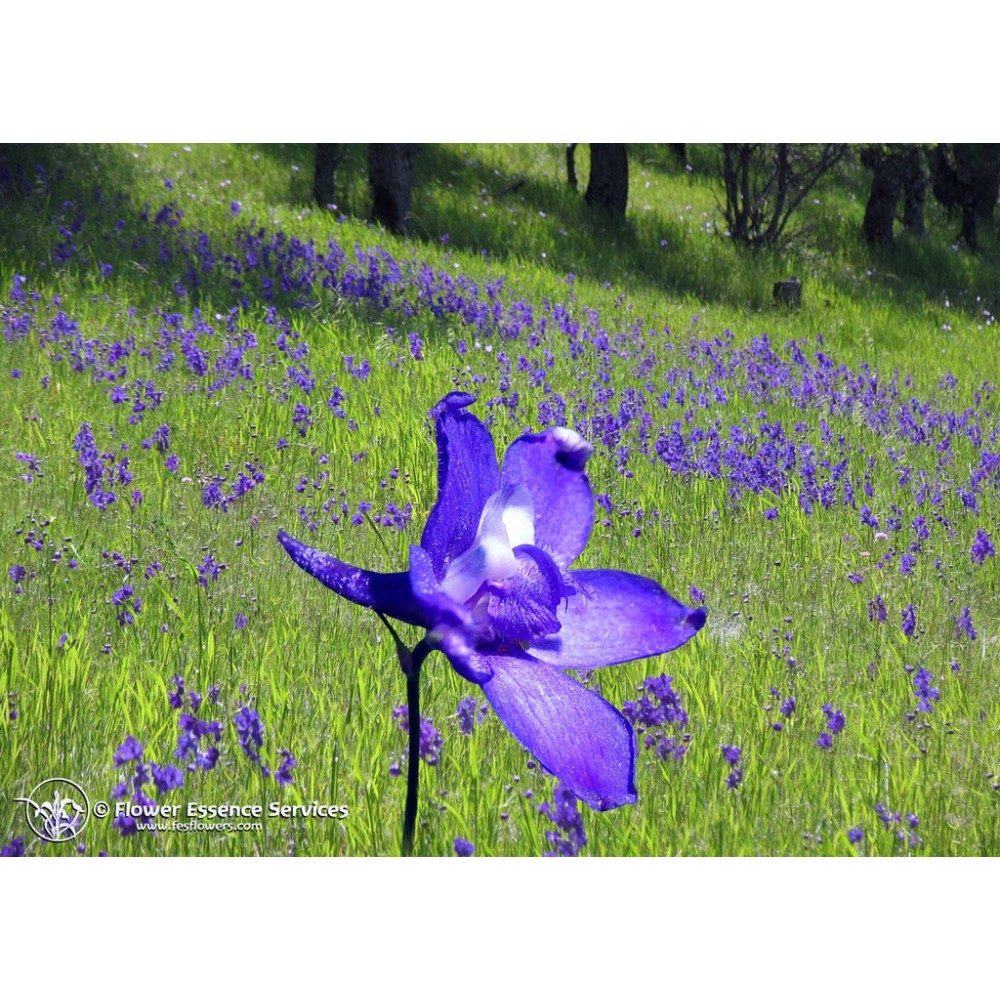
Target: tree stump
column 788, row 293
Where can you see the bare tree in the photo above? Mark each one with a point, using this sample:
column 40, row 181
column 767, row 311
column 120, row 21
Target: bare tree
column 764, row 184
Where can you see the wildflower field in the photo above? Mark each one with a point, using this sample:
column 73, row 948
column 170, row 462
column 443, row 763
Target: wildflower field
column 195, row 358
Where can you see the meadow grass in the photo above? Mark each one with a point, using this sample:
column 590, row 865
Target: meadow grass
column 146, row 288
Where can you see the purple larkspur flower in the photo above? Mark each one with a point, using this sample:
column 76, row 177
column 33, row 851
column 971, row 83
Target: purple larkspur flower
column 431, row 741
column 283, row 772
column 908, row 620
column 922, row 689
column 835, row 720
column 562, row 811
column 492, row 585
column 167, row 777
column 963, row 624
column 876, row 609
column 250, row 731
column 462, row 848
column 731, row 755
column 470, row 712
column 855, row 835
column 175, row 698
column 15, row 849
column 131, row 749
column 982, row 547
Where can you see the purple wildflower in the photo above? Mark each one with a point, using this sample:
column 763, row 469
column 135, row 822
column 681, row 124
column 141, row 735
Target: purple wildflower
column 564, row 814
column 283, row 772
column 470, row 712
column 835, row 720
column 908, row 620
column 209, row 569
column 894, row 821
column 131, row 749
column 492, row 586
column 731, row 755
column 15, row 849
column 922, row 689
column 416, row 347
column 855, row 835
column 167, row 777
column 175, row 698
column 462, row 848
column 659, row 707
column 876, row 610
column 982, row 547
column 250, row 731
column 963, row 624
column 431, row 741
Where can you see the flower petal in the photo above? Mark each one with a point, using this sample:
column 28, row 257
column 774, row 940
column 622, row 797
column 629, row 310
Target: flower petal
column 615, row 617
column 468, row 475
column 578, row 736
column 389, row 593
column 525, row 606
column 451, row 627
column 491, row 556
column 551, row 465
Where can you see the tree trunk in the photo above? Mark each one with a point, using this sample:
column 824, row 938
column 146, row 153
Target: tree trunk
column 571, row 165
column 390, row 173
column 967, row 175
column 327, row 157
column 887, row 185
column 608, row 185
column 944, row 177
column 914, row 193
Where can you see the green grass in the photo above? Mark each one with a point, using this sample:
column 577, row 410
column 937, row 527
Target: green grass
column 322, row 673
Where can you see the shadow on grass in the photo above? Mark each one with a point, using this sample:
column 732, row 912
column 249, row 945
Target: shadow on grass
column 49, row 192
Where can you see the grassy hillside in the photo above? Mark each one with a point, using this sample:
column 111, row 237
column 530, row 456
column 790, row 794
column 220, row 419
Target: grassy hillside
column 196, row 356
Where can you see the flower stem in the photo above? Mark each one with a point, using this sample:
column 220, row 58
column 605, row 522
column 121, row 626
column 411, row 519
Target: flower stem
column 411, row 661
column 411, row 667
